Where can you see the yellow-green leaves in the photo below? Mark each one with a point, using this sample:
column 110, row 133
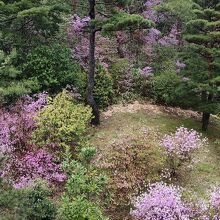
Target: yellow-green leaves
column 62, row 122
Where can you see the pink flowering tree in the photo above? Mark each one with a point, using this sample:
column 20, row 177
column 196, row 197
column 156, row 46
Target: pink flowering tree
column 180, row 146
column 156, row 36
column 161, row 202
column 24, row 162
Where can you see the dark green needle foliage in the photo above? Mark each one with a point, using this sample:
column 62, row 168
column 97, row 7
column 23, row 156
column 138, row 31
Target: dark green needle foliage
column 203, row 58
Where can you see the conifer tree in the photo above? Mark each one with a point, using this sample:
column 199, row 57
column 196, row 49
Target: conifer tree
column 107, row 16
column 24, row 25
column 27, row 22
column 203, row 62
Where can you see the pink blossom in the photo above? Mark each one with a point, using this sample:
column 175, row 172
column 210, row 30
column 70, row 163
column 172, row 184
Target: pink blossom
column 179, row 66
column 33, row 165
column 147, row 71
column 215, row 198
column 160, row 202
column 182, row 142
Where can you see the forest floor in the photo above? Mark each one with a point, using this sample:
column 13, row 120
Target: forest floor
column 123, row 121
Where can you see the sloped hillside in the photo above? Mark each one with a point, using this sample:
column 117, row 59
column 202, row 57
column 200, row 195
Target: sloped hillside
column 129, row 152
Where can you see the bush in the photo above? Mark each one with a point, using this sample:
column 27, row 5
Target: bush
column 61, row 123
column 215, row 204
column 53, row 68
column 27, row 204
column 164, row 88
column 103, row 90
column 130, row 164
column 80, row 201
column 123, row 80
column 180, row 147
column 21, row 161
column 33, row 165
column 160, row 202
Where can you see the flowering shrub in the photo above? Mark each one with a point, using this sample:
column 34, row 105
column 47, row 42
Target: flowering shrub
column 32, row 166
column 215, row 204
column 161, row 202
column 183, row 142
column 179, row 147
column 24, row 164
column 17, row 124
column 215, row 198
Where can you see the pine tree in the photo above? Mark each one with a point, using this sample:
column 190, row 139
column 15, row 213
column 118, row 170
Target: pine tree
column 203, row 64
column 24, row 25
column 113, row 16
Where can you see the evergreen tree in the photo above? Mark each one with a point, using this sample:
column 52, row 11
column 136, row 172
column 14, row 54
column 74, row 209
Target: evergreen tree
column 203, row 60
column 24, row 25
column 107, row 16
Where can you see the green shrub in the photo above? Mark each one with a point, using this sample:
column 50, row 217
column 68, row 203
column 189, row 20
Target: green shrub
column 121, row 74
column 118, row 68
column 80, row 201
column 62, row 122
column 103, row 90
column 53, row 68
column 164, row 88
column 26, row 204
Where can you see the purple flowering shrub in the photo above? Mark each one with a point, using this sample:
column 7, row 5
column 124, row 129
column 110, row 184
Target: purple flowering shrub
column 31, row 166
column 23, row 161
column 180, row 146
column 215, row 204
column 183, row 142
column 17, row 124
column 161, row 202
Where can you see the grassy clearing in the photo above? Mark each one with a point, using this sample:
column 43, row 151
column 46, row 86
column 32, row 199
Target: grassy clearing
column 142, row 124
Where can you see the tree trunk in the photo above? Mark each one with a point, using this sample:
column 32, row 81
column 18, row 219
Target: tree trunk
column 206, row 115
column 90, row 79
column 205, row 121
column 73, row 4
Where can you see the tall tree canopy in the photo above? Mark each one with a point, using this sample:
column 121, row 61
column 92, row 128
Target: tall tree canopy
column 203, row 34
column 111, row 16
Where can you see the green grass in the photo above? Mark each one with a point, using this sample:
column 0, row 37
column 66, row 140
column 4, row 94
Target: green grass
column 204, row 174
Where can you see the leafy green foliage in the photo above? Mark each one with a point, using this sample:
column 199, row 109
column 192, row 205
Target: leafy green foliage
column 164, row 87
column 62, row 122
column 84, row 185
column 118, row 69
column 53, row 68
column 27, row 204
column 103, row 90
column 124, row 80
